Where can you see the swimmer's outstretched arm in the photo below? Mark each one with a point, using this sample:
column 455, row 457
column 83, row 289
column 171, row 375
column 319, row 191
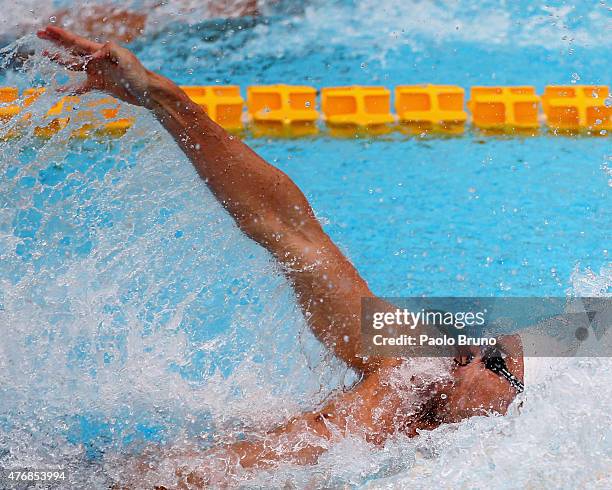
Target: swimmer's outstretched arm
column 264, row 202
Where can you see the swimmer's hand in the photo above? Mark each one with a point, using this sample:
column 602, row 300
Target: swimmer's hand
column 109, row 67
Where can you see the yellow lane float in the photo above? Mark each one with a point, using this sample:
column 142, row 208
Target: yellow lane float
column 98, row 117
column 92, row 117
column 430, row 108
column 31, row 94
column 288, row 110
column 363, row 108
column 222, row 103
column 505, row 109
column 577, row 107
column 10, row 96
column 59, row 115
column 291, row 110
column 8, row 109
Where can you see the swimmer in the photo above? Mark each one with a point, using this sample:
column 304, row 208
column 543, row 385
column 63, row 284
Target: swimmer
column 124, row 25
column 271, row 210
column 125, row 22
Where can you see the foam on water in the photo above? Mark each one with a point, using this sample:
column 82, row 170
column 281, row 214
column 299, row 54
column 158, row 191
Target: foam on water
column 133, row 308
column 553, row 25
column 31, row 14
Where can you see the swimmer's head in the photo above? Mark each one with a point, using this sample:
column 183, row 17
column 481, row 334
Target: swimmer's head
column 477, row 389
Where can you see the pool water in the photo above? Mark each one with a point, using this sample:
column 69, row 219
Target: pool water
column 136, row 313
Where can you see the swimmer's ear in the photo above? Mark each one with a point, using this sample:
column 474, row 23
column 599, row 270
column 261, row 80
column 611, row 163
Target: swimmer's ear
column 465, row 354
column 463, row 360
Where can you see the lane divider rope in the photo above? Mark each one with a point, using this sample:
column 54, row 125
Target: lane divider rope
column 291, row 110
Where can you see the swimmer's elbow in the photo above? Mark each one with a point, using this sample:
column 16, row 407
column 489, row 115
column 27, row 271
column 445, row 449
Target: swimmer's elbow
column 287, row 238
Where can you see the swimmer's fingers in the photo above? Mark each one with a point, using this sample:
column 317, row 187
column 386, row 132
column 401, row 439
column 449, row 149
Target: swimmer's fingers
column 71, row 63
column 61, row 37
column 107, row 52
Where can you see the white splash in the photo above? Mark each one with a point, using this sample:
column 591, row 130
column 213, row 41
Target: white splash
column 130, row 302
column 385, row 24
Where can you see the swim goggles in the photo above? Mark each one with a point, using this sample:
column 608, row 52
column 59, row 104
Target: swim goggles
column 493, row 359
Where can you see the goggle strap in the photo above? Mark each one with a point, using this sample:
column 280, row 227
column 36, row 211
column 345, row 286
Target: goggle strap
column 513, row 380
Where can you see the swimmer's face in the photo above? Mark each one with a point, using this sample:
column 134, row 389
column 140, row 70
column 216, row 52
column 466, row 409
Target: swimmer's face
column 476, row 390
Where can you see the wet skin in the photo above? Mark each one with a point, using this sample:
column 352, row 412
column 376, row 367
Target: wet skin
column 271, row 210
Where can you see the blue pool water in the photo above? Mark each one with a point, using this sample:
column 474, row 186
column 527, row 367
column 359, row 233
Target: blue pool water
column 462, row 216
column 135, row 312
